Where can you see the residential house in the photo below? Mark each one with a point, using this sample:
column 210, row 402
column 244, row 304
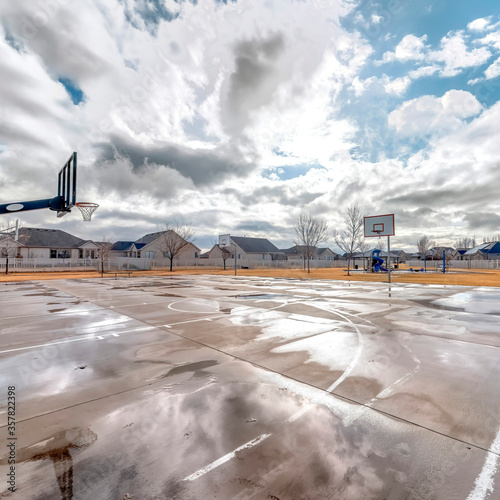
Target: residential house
column 254, row 249
column 399, row 256
column 219, row 252
column 54, row 244
column 152, row 246
column 485, row 251
column 294, row 253
column 126, row 249
column 436, row 253
column 326, row 254
column 297, row 252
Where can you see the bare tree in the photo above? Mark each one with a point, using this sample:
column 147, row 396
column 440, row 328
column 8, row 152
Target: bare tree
column 350, row 238
column 491, row 239
column 174, row 238
column 226, row 254
column 423, row 246
column 310, row 232
column 104, row 252
column 9, row 246
column 363, row 248
column 466, row 243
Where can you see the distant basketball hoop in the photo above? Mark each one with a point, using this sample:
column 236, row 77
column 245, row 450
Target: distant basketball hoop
column 377, row 226
column 87, row 209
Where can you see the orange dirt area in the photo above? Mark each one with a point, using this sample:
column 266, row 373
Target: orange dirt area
column 466, row 277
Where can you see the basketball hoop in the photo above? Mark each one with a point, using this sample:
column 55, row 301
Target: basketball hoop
column 87, row 209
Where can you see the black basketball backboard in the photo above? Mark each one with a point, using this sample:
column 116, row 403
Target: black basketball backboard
column 66, row 187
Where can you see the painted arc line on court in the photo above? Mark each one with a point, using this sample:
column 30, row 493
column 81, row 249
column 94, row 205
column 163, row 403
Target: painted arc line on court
column 226, row 458
column 485, row 481
column 355, row 360
column 188, row 311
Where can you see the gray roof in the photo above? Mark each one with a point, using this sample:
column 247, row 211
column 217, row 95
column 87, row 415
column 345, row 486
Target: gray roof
column 122, row 246
column 299, row 250
column 492, row 247
column 296, row 250
column 321, row 251
column 148, row 238
column 255, row 245
column 48, row 238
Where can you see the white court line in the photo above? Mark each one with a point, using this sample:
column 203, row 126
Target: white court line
column 226, row 458
column 188, row 300
column 349, row 420
column 294, row 417
column 90, row 336
column 355, row 360
column 211, row 318
column 87, row 337
column 170, row 325
column 246, row 446
column 485, row 481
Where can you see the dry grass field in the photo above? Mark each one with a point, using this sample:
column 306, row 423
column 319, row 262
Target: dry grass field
column 470, row 277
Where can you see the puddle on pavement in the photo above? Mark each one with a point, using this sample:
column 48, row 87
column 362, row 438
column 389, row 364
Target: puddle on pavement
column 471, row 301
column 263, row 296
column 190, row 367
column 58, row 449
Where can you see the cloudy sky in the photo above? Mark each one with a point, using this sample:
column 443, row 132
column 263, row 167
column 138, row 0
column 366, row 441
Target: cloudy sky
column 235, row 116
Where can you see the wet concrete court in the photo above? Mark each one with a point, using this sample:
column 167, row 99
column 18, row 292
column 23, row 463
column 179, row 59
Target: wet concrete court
column 199, row 387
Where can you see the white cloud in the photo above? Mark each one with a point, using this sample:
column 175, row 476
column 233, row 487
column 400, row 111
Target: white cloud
column 423, row 71
column 450, row 59
column 493, row 71
column 360, row 86
column 177, row 97
column 410, row 48
column 397, row 86
column 481, row 24
column 429, row 114
column 491, row 39
column 455, row 56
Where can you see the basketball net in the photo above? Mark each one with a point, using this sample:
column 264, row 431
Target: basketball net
column 87, row 209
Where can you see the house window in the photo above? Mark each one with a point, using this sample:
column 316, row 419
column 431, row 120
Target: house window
column 150, row 255
column 80, row 253
column 53, row 254
column 264, row 256
column 62, row 254
column 196, row 255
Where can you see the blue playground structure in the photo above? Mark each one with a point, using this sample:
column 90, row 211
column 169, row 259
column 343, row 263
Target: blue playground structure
column 377, row 262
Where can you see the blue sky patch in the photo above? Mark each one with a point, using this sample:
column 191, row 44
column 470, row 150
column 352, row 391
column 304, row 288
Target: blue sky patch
column 74, row 92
